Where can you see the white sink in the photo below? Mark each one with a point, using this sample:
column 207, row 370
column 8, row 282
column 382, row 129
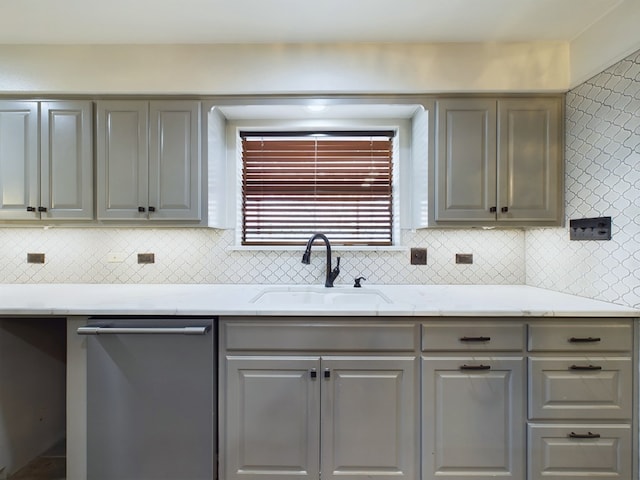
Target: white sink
column 318, row 295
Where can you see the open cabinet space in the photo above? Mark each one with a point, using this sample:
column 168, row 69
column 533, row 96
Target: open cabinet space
column 32, row 396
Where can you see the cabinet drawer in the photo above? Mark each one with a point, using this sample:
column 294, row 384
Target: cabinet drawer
column 571, row 451
column 472, row 336
column 583, row 336
column 320, row 336
column 584, row 387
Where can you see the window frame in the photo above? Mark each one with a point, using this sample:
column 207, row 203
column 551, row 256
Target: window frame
column 317, row 146
column 401, row 184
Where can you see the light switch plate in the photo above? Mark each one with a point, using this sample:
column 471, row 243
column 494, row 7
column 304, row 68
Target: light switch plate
column 598, row 228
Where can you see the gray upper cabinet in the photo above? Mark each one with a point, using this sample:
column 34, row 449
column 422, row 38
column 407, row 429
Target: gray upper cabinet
column 66, row 160
column 498, row 162
column 148, row 156
column 48, row 177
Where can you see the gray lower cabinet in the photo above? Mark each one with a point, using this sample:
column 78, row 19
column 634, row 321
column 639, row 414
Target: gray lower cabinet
column 580, row 400
column 148, row 161
column 472, row 417
column 511, row 398
column 473, row 399
column 329, row 415
column 498, row 162
column 46, row 160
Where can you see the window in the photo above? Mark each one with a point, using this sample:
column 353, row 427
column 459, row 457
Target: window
column 297, row 183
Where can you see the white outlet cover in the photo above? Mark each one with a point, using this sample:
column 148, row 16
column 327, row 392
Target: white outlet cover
column 115, row 257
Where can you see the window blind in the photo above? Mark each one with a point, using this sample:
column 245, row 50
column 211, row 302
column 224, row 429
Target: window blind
column 339, row 185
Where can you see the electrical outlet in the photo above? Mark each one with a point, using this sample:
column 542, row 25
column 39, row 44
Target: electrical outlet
column 464, row 258
column 146, row 258
column 115, row 257
column 418, row 256
column 35, row 257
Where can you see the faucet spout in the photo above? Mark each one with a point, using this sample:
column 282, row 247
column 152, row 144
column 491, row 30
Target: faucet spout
column 306, row 258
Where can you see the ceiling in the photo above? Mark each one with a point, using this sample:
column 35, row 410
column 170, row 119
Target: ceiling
column 295, row 21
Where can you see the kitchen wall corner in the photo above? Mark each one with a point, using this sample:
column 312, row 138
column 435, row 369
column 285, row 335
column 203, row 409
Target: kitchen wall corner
column 602, row 179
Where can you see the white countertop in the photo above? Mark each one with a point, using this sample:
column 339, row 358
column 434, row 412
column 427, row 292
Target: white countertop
column 250, row 300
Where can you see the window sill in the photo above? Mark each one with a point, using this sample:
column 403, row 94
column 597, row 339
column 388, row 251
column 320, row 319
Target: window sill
column 300, row 248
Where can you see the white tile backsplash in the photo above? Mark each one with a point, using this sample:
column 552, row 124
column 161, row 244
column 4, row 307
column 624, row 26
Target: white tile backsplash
column 184, row 255
column 602, row 179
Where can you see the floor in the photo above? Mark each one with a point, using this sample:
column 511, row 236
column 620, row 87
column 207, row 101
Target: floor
column 51, row 465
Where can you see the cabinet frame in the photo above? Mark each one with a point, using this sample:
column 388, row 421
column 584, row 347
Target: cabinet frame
column 498, row 161
column 363, row 365
column 149, row 161
column 46, row 160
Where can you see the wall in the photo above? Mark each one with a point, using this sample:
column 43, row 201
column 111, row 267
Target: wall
column 602, row 179
column 206, row 256
column 606, row 42
column 284, row 68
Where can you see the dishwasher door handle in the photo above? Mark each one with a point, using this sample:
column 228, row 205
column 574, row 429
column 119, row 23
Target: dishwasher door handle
column 143, row 330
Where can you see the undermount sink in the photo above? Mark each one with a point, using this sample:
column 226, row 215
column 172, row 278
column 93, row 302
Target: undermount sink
column 317, row 295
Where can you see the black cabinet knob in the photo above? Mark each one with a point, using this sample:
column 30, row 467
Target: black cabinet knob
column 142, row 209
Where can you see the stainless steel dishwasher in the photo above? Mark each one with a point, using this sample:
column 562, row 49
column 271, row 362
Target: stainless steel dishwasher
column 151, row 399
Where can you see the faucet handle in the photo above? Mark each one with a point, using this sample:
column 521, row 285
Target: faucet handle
column 336, row 271
column 357, row 282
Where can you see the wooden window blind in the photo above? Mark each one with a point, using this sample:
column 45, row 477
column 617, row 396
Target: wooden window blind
column 339, row 184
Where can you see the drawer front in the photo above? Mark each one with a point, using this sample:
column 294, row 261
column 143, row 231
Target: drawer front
column 580, row 387
column 472, row 336
column 580, row 337
column 321, row 336
column 572, row 451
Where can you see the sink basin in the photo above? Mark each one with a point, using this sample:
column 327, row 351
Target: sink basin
column 314, row 295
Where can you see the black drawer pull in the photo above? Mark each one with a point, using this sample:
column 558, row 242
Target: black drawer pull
column 475, row 367
column 327, row 373
column 584, row 339
column 475, row 339
column 584, row 435
column 313, row 373
column 585, row 367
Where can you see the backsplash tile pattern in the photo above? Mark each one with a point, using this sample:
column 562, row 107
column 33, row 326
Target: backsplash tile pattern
column 602, row 179
column 205, row 256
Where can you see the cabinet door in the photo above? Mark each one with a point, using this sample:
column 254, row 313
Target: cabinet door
column 66, row 161
column 465, row 173
column 19, row 187
column 122, row 151
column 473, row 417
column 272, row 418
column 529, row 160
column 369, row 418
column 174, row 161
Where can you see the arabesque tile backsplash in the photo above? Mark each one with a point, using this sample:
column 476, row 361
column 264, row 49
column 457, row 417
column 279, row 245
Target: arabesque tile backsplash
column 602, row 179
column 205, row 256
